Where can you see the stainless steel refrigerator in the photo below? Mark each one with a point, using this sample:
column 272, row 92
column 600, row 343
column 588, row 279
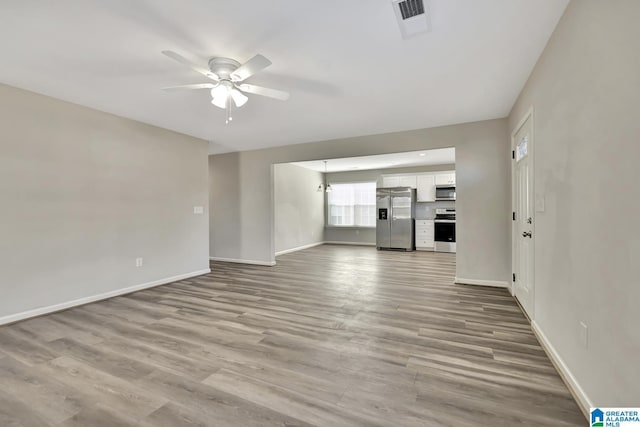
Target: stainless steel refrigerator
column 395, row 209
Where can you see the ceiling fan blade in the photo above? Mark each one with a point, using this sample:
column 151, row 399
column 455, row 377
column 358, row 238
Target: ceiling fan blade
column 190, row 87
column 264, row 91
column 250, row 67
column 184, row 61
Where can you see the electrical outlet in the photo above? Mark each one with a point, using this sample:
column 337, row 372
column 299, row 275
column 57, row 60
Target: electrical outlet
column 584, row 335
column 198, row 210
column 139, row 262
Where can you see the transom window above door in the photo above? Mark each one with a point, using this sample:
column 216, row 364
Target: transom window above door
column 522, row 148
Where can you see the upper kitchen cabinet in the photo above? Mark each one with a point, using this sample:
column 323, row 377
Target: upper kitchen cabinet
column 390, row 181
column 426, row 188
column 425, row 183
column 408, row 181
column 446, row 179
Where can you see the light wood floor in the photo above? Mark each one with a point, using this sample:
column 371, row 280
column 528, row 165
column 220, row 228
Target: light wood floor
column 330, row 336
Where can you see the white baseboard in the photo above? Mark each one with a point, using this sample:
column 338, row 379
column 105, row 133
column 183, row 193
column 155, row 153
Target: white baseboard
column 243, row 261
column 476, row 282
column 339, row 242
column 86, row 300
column 572, row 384
column 299, row 248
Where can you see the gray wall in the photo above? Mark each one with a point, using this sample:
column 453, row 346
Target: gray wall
column 244, row 183
column 84, row 193
column 298, row 207
column 368, row 235
column 360, row 235
column 584, row 91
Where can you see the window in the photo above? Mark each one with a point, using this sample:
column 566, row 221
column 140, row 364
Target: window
column 353, row 204
column 522, row 148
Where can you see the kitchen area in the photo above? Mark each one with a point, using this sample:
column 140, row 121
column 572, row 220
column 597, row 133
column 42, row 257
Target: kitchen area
column 399, row 202
column 416, row 211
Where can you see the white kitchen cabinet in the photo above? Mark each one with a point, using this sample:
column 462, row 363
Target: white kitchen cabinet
column 446, row 178
column 408, row 181
column 424, row 234
column 426, row 185
column 389, row 181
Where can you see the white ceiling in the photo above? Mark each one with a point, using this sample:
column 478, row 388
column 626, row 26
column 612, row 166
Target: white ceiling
column 441, row 156
column 345, row 64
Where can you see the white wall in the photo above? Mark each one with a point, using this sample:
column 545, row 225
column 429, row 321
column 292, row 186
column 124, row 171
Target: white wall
column 298, row 207
column 585, row 90
column 84, row 193
column 242, row 224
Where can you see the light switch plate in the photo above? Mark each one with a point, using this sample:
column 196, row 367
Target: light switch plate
column 198, row 210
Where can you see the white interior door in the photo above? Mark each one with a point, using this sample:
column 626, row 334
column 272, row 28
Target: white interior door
column 523, row 237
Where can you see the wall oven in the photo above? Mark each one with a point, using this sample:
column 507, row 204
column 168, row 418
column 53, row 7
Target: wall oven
column 445, row 230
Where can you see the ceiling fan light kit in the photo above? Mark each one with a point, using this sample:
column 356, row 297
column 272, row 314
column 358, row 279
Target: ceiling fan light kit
column 228, row 75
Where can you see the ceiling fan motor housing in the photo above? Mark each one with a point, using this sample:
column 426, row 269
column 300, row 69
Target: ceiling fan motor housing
column 223, row 67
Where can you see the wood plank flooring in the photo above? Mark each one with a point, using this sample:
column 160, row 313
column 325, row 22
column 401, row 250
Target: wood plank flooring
column 330, row 336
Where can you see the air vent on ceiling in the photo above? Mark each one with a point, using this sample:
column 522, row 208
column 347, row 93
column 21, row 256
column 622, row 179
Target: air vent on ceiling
column 412, row 16
column 411, row 8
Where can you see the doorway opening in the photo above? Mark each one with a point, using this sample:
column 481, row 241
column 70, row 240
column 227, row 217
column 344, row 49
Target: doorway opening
column 335, row 201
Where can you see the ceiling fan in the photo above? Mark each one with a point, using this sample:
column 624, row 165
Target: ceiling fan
column 227, row 80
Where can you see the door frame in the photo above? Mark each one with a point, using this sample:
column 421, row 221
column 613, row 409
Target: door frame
column 514, row 236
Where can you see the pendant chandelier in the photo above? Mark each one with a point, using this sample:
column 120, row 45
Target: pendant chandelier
column 327, row 187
